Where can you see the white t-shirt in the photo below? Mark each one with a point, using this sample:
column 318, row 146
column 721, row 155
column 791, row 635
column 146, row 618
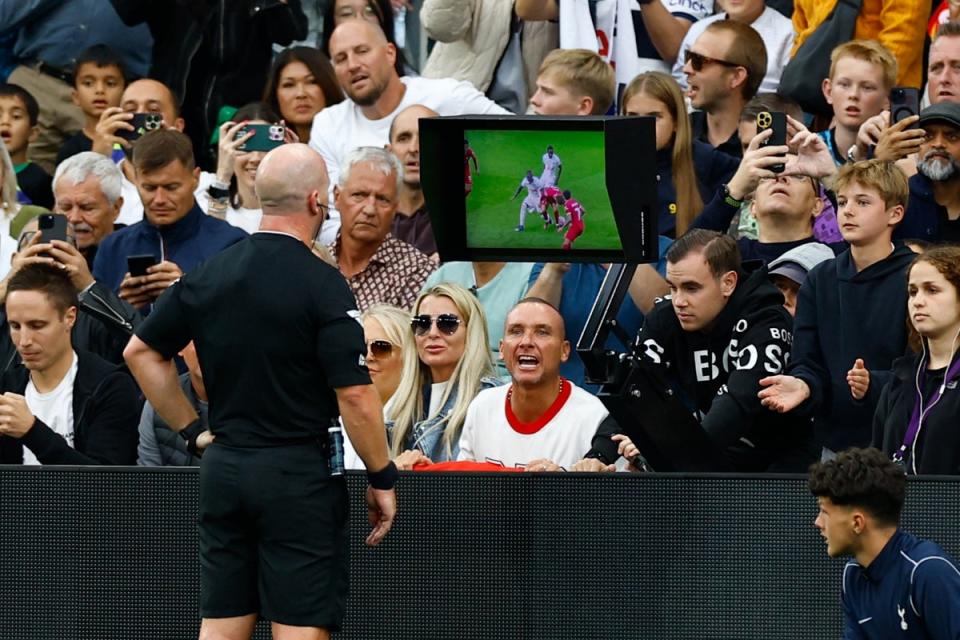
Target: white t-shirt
column 246, row 219
column 491, row 433
column 534, row 190
column 54, row 408
column 132, row 210
column 339, row 129
column 550, row 164
column 777, row 33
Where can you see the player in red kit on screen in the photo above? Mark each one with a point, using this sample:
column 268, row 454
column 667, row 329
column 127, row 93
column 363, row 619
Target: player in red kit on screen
column 468, row 155
column 575, row 215
column 551, row 196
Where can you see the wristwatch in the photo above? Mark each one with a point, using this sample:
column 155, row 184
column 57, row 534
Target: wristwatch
column 729, row 199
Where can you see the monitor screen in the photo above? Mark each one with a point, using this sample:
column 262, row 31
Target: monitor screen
column 538, row 190
column 541, row 189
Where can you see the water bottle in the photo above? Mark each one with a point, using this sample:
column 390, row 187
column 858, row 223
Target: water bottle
column 335, row 461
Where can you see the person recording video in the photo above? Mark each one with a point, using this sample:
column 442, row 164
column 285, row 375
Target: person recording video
column 723, row 328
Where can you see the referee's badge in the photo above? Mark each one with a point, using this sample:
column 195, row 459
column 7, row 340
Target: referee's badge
column 362, row 361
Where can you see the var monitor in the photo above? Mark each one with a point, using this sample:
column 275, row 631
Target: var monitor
column 541, row 189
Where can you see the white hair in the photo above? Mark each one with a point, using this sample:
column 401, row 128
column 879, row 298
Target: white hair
column 78, row 168
column 381, row 159
column 8, row 189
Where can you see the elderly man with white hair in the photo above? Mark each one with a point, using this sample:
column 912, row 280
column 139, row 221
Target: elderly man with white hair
column 377, row 266
column 87, row 190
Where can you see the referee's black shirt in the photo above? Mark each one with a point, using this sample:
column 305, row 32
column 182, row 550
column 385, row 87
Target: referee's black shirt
column 276, row 330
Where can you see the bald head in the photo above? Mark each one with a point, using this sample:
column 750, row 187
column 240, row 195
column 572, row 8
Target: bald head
column 363, row 61
column 288, row 177
column 152, row 96
column 409, row 120
column 405, row 141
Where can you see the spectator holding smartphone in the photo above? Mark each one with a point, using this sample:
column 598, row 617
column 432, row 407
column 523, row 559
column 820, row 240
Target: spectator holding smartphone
column 174, row 228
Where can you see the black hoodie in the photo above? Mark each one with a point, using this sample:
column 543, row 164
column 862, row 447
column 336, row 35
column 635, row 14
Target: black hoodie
column 843, row 315
column 718, row 371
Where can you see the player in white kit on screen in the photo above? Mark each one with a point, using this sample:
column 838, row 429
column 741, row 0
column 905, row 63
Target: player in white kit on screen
column 530, row 204
column 552, row 168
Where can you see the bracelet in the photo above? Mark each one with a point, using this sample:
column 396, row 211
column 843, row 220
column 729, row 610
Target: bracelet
column 384, row 479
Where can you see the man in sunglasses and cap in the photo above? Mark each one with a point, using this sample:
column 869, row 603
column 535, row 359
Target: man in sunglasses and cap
column 378, row 267
column 724, row 69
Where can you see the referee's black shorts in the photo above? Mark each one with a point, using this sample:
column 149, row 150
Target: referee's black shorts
column 273, row 535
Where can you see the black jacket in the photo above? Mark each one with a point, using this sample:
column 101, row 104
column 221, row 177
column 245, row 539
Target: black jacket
column 937, row 446
column 843, row 315
column 718, row 372
column 106, row 410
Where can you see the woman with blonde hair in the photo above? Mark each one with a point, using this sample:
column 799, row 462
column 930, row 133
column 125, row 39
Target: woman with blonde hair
column 390, row 350
column 689, row 171
column 453, row 365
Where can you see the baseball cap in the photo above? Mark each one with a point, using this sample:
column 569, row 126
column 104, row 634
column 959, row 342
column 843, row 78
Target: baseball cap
column 796, row 263
column 948, row 112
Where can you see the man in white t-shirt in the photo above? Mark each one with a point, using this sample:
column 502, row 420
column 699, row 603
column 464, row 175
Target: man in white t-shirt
column 552, row 168
column 60, row 406
column 775, row 29
column 364, row 64
column 530, row 204
column 541, row 421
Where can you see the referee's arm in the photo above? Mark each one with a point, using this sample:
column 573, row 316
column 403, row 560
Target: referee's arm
column 362, row 416
column 157, row 377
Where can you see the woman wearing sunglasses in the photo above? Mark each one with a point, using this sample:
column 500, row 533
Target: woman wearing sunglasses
column 390, row 348
column 689, row 171
column 452, row 366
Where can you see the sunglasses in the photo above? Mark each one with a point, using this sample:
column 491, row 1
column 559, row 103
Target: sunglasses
column 380, row 348
column 447, row 324
column 698, row 61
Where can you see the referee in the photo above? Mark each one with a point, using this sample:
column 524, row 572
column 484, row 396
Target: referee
column 282, row 355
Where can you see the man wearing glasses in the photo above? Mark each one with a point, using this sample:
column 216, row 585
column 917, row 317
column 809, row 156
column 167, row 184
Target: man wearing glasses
column 724, row 68
column 377, row 266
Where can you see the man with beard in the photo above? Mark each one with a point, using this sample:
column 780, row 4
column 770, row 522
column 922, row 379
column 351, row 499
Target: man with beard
column 411, row 222
column 933, row 212
column 363, row 61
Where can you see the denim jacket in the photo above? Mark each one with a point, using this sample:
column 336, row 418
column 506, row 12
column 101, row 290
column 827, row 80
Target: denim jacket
column 427, row 435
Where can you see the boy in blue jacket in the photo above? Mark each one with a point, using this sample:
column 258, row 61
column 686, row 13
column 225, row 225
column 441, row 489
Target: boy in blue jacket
column 851, row 314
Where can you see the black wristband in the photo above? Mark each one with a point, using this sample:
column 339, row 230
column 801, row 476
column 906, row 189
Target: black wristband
column 218, row 194
column 385, row 478
column 190, row 433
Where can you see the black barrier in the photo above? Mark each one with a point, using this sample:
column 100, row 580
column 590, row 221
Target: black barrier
column 102, row 554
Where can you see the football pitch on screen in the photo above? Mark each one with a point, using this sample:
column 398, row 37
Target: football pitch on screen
column 504, row 157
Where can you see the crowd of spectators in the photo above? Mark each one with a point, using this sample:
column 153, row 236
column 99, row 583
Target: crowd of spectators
column 806, row 300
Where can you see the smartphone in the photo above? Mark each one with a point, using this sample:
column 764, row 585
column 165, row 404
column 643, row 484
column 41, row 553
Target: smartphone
column 143, row 123
column 777, row 121
column 138, row 265
column 53, row 227
column 266, row 137
column 904, row 102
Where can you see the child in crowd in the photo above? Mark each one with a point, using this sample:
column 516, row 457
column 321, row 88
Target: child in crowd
column 573, row 82
column 862, row 72
column 851, row 314
column 19, row 112
column 98, row 83
column 789, row 271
